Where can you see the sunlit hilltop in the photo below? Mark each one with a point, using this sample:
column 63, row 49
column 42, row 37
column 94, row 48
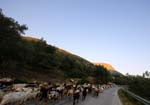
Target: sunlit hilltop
column 31, row 38
column 107, row 66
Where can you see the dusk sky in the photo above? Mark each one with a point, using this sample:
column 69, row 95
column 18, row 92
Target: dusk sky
column 116, row 32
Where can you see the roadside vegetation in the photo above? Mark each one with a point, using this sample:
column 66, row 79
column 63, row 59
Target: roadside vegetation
column 127, row 99
column 140, row 85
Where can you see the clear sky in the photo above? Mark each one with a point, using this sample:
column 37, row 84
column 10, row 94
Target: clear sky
column 110, row 31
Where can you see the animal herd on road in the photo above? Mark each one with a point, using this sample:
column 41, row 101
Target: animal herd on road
column 19, row 94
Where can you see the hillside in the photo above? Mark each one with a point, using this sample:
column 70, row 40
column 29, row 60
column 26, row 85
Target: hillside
column 108, row 67
column 45, row 62
column 61, row 51
column 25, row 58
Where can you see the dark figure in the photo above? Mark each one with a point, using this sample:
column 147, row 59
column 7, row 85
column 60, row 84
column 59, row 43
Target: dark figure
column 60, row 92
column 89, row 89
column 84, row 93
column 76, row 96
column 44, row 93
column 96, row 92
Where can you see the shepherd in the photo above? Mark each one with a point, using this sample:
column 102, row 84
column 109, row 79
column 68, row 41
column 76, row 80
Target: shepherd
column 76, row 95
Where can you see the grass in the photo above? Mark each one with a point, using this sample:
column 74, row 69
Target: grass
column 127, row 99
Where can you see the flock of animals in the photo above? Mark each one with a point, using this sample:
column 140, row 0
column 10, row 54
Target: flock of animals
column 19, row 94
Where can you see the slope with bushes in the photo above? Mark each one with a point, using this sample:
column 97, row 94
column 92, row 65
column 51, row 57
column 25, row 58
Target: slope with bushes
column 30, row 58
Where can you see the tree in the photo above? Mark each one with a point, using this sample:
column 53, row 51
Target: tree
column 10, row 37
column 102, row 74
column 146, row 74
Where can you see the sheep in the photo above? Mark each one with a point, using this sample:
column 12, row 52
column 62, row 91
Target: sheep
column 13, row 97
column 18, row 87
column 53, row 95
column 30, row 96
column 1, row 95
column 18, row 97
column 31, row 93
column 60, row 90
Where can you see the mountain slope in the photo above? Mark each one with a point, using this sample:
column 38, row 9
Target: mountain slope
column 29, row 58
column 108, row 67
column 40, row 61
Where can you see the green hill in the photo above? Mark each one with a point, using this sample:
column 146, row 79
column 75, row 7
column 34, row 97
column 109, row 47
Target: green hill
column 27, row 58
column 40, row 61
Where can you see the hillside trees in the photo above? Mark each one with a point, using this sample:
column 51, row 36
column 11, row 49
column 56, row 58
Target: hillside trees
column 146, row 74
column 18, row 52
column 10, row 31
column 41, row 54
column 102, row 74
column 140, row 86
column 19, row 55
column 73, row 67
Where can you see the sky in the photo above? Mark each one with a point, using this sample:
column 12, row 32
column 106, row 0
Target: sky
column 116, row 32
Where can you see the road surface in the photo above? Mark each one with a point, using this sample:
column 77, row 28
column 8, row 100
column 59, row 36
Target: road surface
column 108, row 97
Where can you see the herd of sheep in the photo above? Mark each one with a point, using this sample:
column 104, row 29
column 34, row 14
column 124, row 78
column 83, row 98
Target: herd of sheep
column 18, row 95
column 21, row 93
